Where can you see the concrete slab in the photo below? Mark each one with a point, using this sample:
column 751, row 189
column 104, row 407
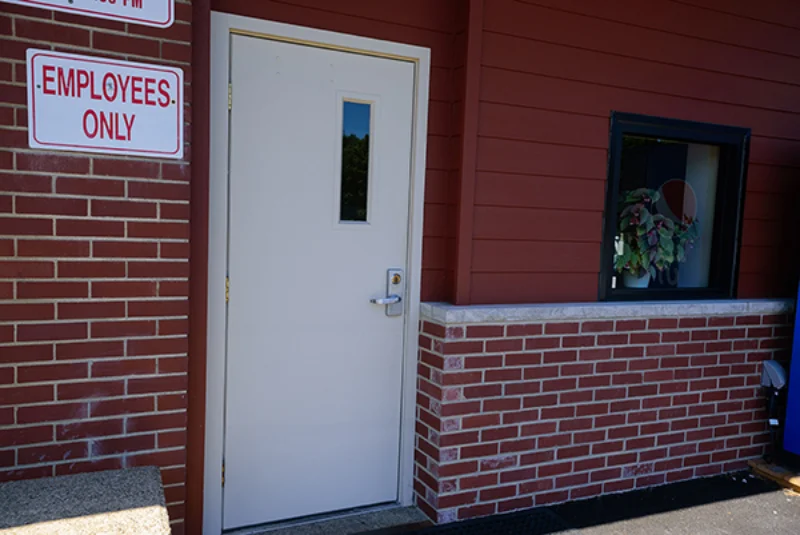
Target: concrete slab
column 116, row 502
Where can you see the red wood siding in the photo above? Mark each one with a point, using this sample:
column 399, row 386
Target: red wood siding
column 438, row 25
column 553, row 70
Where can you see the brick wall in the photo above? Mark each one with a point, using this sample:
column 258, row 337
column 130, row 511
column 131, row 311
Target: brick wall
column 93, row 276
column 513, row 415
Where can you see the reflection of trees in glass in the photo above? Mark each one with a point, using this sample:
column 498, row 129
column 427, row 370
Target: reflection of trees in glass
column 355, row 173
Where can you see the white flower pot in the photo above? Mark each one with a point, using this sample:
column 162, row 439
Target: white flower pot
column 632, row 281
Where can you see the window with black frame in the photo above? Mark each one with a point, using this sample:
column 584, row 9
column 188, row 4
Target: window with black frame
column 673, row 209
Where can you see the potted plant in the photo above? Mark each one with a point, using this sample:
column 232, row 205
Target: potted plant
column 648, row 242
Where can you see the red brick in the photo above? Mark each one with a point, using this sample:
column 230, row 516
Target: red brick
column 123, row 249
column 124, row 289
column 49, row 290
column 455, row 500
column 90, row 350
column 171, row 346
column 748, row 320
column 91, row 187
column 524, row 330
column 489, row 361
column 123, row 329
column 502, row 346
column 460, row 348
column 37, row 332
column 18, row 435
column 167, row 383
column 18, row 395
column 597, row 326
column 691, row 323
column 51, row 372
column 50, row 163
column 631, row 325
column 90, row 227
column 116, row 446
column 50, row 453
column 52, row 248
column 562, row 328
column 15, row 269
column 662, row 323
column 612, row 339
column 95, row 309
column 123, row 367
column 128, row 405
column 26, row 353
column 24, row 183
column 26, row 311
column 51, row 413
column 51, row 206
column 158, row 191
column 164, row 270
column 158, row 230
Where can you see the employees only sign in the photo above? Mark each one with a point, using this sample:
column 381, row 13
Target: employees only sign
column 88, row 104
column 159, row 13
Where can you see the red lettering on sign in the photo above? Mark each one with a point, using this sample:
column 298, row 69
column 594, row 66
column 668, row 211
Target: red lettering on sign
column 110, row 87
column 91, row 133
column 123, row 83
column 149, row 91
column 83, row 81
column 163, row 88
column 92, row 94
column 66, row 86
column 129, row 125
column 45, row 79
column 136, row 87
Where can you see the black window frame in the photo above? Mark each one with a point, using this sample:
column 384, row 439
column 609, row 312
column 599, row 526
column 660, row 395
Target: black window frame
column 732, row 177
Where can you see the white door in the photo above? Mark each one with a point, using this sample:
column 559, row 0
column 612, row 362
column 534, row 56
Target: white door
column 314, row 370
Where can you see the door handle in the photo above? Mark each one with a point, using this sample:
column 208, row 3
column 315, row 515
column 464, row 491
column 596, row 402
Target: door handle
column 395, row 288
column 390, row 300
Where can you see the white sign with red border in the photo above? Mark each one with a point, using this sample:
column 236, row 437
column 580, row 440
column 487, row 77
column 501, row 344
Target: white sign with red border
column 88, row 104
column 159, row 13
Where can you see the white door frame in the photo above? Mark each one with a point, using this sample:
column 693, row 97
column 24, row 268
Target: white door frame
column 223, row 25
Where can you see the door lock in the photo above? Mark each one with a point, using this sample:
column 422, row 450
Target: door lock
column 395, row 288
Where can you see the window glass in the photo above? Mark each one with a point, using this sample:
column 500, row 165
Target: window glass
column 666, row 204
column 355, row 161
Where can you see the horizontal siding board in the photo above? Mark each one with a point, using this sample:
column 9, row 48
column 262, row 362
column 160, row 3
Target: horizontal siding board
column 537, row 224
column 683, row 19
column 495, row 189
column 587, row 65
column 765, row 233
column 495, row 256
column 492, row 288
column 772, row 178
column 548, row 126
column 561, row 27
column 769, row 12
column 532, row 90
column 509, row 156
column 769, row 206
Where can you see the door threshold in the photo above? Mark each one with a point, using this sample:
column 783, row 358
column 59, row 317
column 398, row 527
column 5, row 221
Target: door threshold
column 388, row 519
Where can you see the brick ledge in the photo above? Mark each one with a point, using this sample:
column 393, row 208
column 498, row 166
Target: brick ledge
column 448, row 314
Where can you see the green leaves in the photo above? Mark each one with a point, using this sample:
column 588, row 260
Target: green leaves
column 650, row 241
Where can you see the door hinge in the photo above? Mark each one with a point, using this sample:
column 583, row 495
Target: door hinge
column 230, row 96
column 227, row 289
column 223, row 473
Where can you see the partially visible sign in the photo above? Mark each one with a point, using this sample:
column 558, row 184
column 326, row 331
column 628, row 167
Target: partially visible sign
column 160, row 13
column 88, row 104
